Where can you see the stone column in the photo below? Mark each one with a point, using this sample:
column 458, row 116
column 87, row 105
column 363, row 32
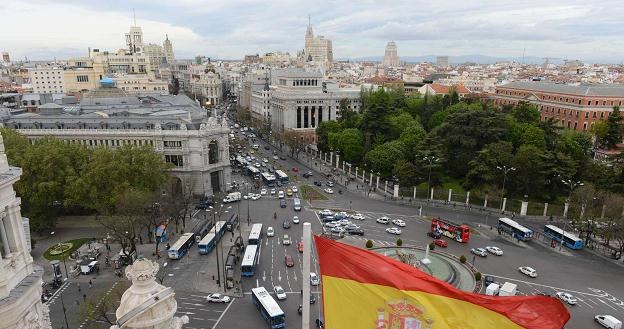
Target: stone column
column 337, row 160
column 349, row 170
column 545, row 209
column 450, row 195
column 604, row 208
column 3, row 235
column 566, row 207
column 377, row 182
column 523, row 208
column 385, row 186
column 468, row 197
column 364, row 176
column 331, row 159
column 504, row 204
column 356, row 170
column 431, row 196
column 485, row 202
column 414, row 198
column 370, row 180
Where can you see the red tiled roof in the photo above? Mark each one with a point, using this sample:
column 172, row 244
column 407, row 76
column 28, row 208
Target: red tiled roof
column 442, row 89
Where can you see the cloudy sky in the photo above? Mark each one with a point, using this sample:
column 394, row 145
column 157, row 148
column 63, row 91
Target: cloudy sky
column 587, row 30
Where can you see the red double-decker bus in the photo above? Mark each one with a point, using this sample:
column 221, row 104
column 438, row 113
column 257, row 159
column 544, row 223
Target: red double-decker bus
column 457, row 232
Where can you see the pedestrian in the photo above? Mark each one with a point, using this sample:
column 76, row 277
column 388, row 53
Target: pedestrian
column 140, row 239
column 79, row 289
column 90, row 284
column 84, row 297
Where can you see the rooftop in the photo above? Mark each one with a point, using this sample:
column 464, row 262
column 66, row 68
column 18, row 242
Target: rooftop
column 559, row 88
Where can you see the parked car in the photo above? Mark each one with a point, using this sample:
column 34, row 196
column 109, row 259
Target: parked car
column 330, row 184
column 608, row 321
column 329, row 191
column 338, row 230
column 263, row 191
column 566, row 297
column 286, row 240
column 494, row 250
column 280, row 194
column 295, row 169
column 355, row 231
column 280, row 293
column 270, row 231
column 282, row 203
column 217, row 298
column 435, row 235
column 398, row 222
column 317, row 183
column 440, row 243
column 331, row 224
column 307, row 174
column 479, row 251
column 393, row 230
column 289, row 192
column 314, row 279
column 289, row 261
column 272, row 191
column 358, row 216
column 295, row 189
column 529, row 271
column 325, row 212
column 383, row 220
column 286, row 224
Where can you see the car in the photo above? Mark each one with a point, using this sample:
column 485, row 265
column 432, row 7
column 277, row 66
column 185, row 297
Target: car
column 494, row 250
column 488, row 280
column 317, row 183
column 435, row 235
column 295, row 189
column 479, row 251
column 265, row 160
column 263, row 191
column 282, row 157
column 566, row 297
column 440, row 243
column 393, row 230
column 289, row 192
column 274, row 152
column 263, row 164
column 358, row 216
column 255, row 146
column 267, row 147
column 331, row 224
column 383, row 220
column 295, row 169
column 314, row 279
column 312, row 299
column 328, row 219
column 218, row 298
column 329, row 191
column 288, row 260
column 279, row 184
column 341, row 215
column 338, row 230
column 608, row 321
column 325, row 213
column 279, row 293
column 286, row 224
column 272, row 191
column 398, row 222
column 280, row 194
column 282, row 203
column 353, row 227
column 270, row 231
column 329, row 184
column 275, row 157
column 307, row 174
column 286, row 240
column 355, row 231
column 296, row 219
column 255, row 197
column 344, row 222
column 257, row 165
column 300, row 246
column 528, row 271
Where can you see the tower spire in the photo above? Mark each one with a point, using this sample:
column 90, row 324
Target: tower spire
column 134, row 16
column 309, row 20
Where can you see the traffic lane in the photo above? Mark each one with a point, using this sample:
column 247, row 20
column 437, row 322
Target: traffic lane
column 201, row 313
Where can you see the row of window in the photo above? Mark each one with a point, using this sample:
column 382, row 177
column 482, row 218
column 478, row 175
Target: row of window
column 109, row 142
column 47, row 72
column 578, row 101
column 176, row 160
column 594, row 114
column 82, row 78
column 172, row 144
column 305, row 82
column 574, row 124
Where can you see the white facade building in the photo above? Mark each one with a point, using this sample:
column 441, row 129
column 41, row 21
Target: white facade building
column 391, row 58
column 47, row 79
column 140, row 83
column 20, row 279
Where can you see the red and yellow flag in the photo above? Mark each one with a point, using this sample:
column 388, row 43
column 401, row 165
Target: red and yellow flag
column 363, row 289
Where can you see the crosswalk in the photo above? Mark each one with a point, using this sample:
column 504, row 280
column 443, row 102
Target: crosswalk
column 202, row 315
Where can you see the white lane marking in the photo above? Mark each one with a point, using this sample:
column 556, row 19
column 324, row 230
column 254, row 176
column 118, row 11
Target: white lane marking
column 222, row 314
column 602, row 301
column 279, row 276
column 257, row 283
column 264, row 275
column 259, row 253
column 584, row 302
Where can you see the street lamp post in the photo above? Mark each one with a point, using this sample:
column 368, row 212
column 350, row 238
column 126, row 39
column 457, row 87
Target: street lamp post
column 571, row 184
column 431, row 159
column 248, row 201
column 505, row 169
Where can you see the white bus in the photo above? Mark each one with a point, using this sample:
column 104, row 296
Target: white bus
column 268, row 179
column 281, row 176
column 253, row 171
column 181, row 247
column 516, row 230
column 268, row 307
column 256, row 234
column 210, row 240
column 248, row 265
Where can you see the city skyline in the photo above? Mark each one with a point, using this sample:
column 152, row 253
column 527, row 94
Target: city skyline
column 570, row 29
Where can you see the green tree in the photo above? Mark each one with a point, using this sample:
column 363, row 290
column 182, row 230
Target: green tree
column 406, row 172
column 15, row 146
column 600, row 129
column 398, row 122
column 614, row 133
column 383, row 157
column 483, row 169
column 351, row 145
column 528, row 178
column 322, row 133
column 348, row 117
column 413, row 137
column 399, row 242
column 526, row 113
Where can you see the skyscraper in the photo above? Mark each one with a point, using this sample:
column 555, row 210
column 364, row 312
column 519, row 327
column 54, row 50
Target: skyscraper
column 317, row 49
column 168, row 50
column 391, row 58
column 443, row 61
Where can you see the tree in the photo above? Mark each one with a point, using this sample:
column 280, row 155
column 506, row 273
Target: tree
column 413, row 137
column 528, row 178
column 351, row 144
column 15, row 145
column 369, row 244
column 174, row 87
column 348, row 117
column 477, row 276
column 406, row 172
column 383, row 157
column 600, row 129
column 399, row 242
column 176, row 202
column 483, row 169
column 614, row 131
column 462, row 259
column 397, row 123
column 526, row 113
column 100, row 306
column 322, row 133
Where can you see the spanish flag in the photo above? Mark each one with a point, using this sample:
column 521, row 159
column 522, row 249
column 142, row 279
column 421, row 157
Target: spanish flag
column 363, row 289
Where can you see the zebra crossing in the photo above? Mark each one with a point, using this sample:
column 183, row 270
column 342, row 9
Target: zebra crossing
column 202, row 315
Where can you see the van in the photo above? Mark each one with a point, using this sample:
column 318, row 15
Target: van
column 492, row 289
column 608, row 321
column 297, row 204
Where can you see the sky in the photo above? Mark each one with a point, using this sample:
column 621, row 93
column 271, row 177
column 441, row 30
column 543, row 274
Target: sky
column 229, row 29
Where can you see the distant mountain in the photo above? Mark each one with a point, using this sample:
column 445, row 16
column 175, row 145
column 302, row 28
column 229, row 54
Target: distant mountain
column 479, row 59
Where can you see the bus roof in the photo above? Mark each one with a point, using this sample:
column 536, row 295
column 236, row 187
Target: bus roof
column 268, row 176
column 448, row 222
column 267, row 301
column 206, row 240
column 567, row 233
column 182, row 240
column 253, row 169
column 218, row 226
column 514, row 224
column 250, row 255
column 280, row 174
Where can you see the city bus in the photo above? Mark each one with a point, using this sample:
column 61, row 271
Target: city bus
column 210, row 240
column 181, row 247
column 268, row 307
column 253, row 171
column 457, row 232
column 268, row 179
column 248, row 265
column 516, row 230
column 256, row 234
column 281, row 176
column 569, row 240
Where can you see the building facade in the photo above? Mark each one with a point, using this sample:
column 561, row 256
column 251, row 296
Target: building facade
column 175, row 126
column 317, row 49
column 443, row 61
column 576, row 107
column 20, row 279
column 140, row 83
column 391, row 57
column 48, row 79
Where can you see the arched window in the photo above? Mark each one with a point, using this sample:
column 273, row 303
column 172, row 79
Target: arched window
column 213, row 152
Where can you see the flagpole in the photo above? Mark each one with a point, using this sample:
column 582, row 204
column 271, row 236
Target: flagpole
column 305, row 277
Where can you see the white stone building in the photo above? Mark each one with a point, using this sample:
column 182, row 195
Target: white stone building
column 47, row 79
column 20, row 279
column 391, row 58
column 140, row 83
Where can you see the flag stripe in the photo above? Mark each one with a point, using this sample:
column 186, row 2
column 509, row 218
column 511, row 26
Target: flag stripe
column 338, row 260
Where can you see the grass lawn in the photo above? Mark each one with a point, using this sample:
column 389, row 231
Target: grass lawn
column 76, row 243
column 310, row 193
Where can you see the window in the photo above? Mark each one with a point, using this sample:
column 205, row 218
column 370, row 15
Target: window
column 213, row 152
column 173, row 144
column 82, row 78
column 584, row 125
column 586, row 115
column 176, row 160
column 601, row 115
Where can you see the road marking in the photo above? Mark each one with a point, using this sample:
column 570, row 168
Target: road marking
column 602, row 301
column 543, row 285
column 279, row 276
column 222, row 314
column 264, row 275
column 257, row 283
column 584, row 302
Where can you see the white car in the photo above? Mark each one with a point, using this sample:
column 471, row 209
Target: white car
column 314, row 279
column 494, row 250
column 393, row 230
column 608, row 321
column 398, row 222
column 331, row 224
column 568, row 298
column 296, row 220
column 270, row 231
column 279, row 293
column 286, row 240
column 265, row 160
column 217, row 298
column 257, row 165
column 325, row 213
column 479, row 251
column 358, row 216
column 383, row 220
column 275, row 157
column 255, row 197
column 280, row 194
column 528, row 271
column 272, row 191
column 263, row 191
column 295, row 189
column 344, row 222
column 329, row 191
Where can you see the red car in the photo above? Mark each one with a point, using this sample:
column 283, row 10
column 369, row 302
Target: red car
column 440, row 243
column 300, row 246
column 289, row 261
column 295, row 169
